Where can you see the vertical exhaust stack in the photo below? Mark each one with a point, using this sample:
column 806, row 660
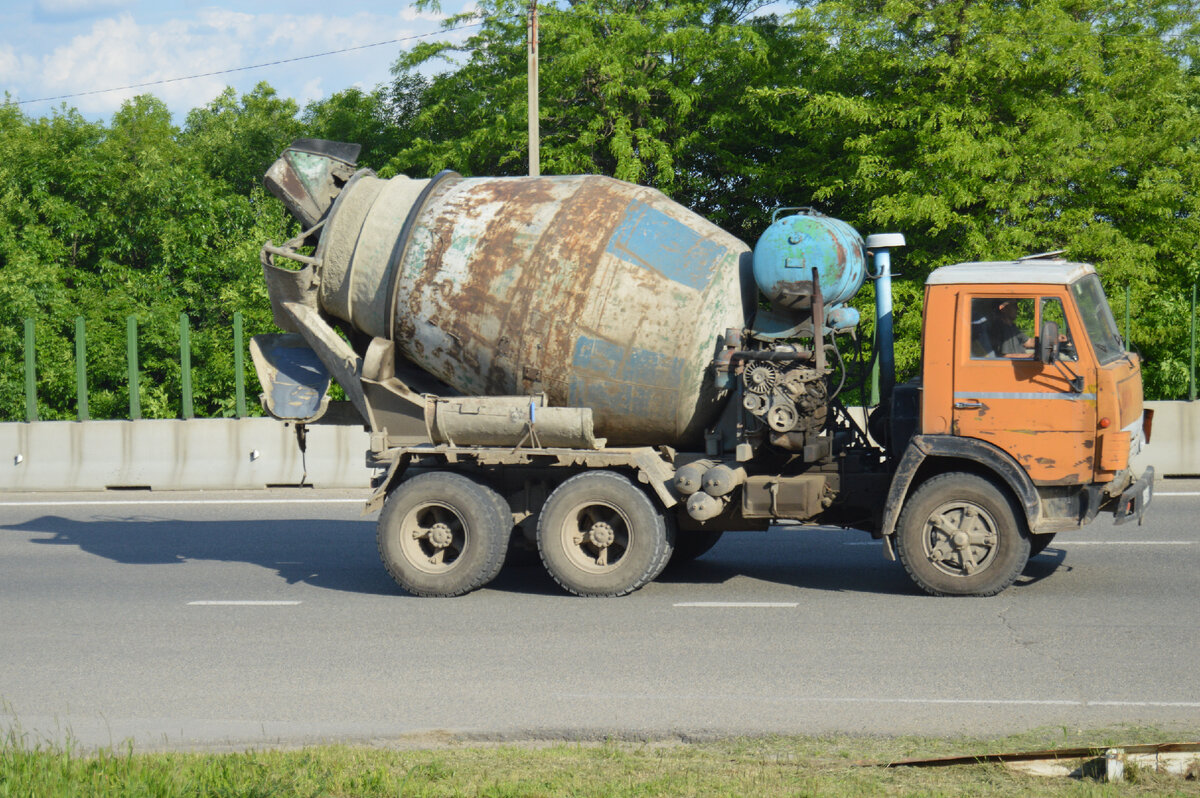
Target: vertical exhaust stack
column 881, row 245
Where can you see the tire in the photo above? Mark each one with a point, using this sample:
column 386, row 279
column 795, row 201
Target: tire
column 599, row 535
column 443, row 534
column 693, row 544
column 959, row 535
column 1038, row 543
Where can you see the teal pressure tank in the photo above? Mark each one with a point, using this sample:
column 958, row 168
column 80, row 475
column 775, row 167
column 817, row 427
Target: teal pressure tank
column 793, row 246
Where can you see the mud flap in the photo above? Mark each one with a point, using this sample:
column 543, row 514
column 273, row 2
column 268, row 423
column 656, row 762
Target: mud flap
column 294, row 381
column 1135, row 499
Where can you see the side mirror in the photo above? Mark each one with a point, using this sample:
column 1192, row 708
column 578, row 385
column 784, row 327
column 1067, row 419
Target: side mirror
column 1047, row 343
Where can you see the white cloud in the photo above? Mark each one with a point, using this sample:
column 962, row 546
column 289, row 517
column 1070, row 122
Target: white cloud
column 119, row 51
column 412, row 14
column 65, row 10
column 9, row 63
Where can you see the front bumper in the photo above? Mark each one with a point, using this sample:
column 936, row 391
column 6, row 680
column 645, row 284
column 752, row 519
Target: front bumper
column 1135, row 499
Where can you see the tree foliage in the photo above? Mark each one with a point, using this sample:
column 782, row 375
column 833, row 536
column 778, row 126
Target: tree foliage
column 107, row 222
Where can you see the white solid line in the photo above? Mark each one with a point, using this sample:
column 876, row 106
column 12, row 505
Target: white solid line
column 1035, row 702
column 168, row 502
column 779, row 604
column 242, row 603
column 1058, row 543
column 1181, row 493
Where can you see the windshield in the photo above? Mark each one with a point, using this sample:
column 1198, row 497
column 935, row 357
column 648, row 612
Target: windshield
column 1098, row 319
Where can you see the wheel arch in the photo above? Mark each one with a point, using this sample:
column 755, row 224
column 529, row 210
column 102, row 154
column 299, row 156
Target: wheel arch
column 927, row 456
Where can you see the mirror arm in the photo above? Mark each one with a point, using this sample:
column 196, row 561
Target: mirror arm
column 1074, row 379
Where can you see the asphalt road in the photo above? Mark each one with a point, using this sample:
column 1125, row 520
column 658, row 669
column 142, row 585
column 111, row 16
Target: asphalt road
column 242, row 619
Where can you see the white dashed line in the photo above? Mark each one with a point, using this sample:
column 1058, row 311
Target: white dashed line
column 751, row 604
column 242, row 603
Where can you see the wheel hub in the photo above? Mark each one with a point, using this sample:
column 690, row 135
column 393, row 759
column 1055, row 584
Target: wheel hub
column 440, row 536
column 601, row 535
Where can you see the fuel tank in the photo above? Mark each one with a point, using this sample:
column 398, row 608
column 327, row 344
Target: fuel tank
column 597, row 292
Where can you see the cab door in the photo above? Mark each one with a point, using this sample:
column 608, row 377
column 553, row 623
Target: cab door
column 1003, row 395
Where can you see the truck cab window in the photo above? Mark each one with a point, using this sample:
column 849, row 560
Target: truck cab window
column 1052, row 310
column 1002, row 328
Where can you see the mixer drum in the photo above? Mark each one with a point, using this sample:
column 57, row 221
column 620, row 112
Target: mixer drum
column 598, row 292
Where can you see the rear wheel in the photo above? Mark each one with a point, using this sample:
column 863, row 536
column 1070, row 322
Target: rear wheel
column 599, row 535
column 959, row 535
column 443, row 534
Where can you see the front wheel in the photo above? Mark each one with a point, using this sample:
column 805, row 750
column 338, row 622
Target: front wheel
column 599, row 535
column 959, row 535
column 443, row 534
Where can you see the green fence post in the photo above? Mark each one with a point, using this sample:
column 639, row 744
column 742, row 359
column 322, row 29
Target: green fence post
column 131, row 356
column 81, row 395
column 30, row 373
column 185, row 363
column 239, row 374
column 1126, row 317
column 1192, row 361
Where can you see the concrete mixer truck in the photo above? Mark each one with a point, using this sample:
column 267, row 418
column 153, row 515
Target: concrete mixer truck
column 582, row 367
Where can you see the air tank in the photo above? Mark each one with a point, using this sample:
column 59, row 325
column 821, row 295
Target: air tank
column 597, row 292
column 794, row 245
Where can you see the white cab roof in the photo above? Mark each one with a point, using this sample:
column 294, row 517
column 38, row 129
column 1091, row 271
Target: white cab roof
column 1011, row 272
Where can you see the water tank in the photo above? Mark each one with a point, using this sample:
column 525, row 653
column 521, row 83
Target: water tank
column 598, row 292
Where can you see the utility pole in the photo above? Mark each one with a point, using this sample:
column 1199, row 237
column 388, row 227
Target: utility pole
column 534, row 145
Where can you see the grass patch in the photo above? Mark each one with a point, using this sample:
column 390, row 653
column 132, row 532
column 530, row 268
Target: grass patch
column 766, row 766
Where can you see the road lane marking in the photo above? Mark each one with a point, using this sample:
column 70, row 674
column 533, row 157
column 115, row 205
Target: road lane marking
column 242, row 603
column 1035, row 702
column 1060, row 543
column 168, row 502
column 753, row 604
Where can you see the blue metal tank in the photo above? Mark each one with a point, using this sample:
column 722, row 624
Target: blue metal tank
column 794, row 245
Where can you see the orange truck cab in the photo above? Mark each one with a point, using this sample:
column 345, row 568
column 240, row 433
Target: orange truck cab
column 1028, row 412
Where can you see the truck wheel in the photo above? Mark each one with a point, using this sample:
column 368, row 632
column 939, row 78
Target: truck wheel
column 599, row 535
column 443, row 534
column 690, row 545
column 959, row 536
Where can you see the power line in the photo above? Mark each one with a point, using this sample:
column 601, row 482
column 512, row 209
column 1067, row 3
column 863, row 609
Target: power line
column 252, row 66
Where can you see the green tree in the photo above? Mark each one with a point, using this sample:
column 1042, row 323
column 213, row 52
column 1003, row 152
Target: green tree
column 106, row 222
column 993, row 130
column 238, row 139
column 644, row 90
column 379, row 120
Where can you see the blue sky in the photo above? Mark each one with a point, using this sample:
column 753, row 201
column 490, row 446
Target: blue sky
column 58, row 47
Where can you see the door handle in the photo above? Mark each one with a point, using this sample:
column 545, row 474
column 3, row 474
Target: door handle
column 968, row 405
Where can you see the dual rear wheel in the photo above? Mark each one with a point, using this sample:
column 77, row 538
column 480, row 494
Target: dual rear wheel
column 444, row 534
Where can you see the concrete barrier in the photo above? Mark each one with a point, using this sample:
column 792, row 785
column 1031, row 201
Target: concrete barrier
column 226, row 454
column 1174, row 448
column 198, row 454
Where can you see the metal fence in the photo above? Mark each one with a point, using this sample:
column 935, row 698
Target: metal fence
column 131, row 349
